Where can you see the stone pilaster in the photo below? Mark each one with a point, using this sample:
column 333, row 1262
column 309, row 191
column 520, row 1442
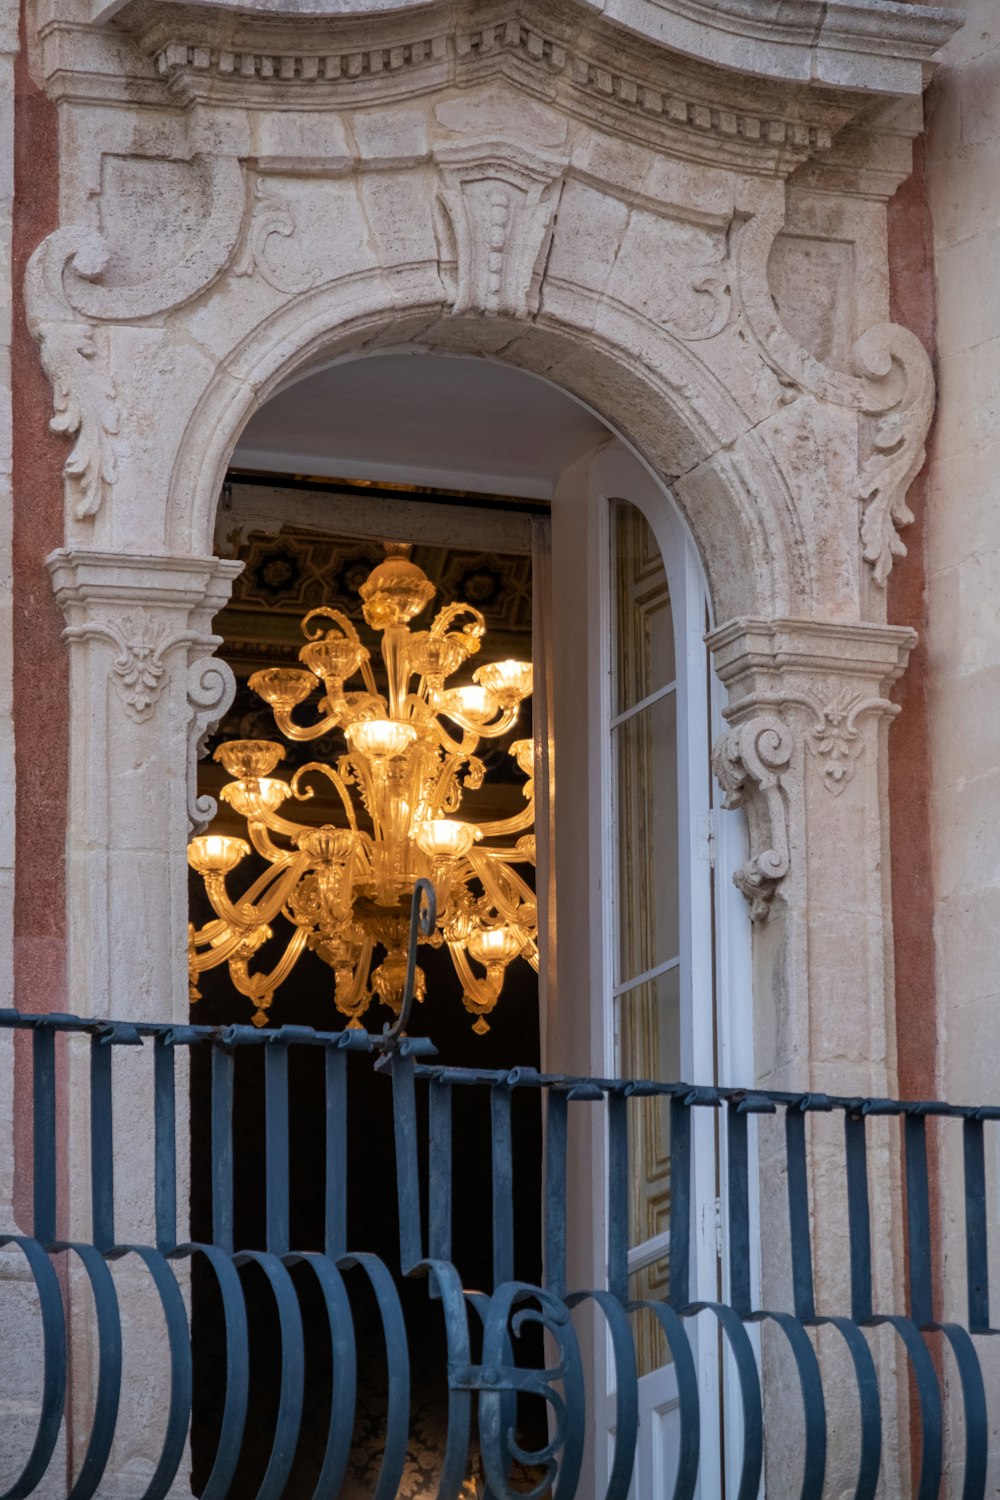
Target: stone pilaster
column 139, row 633
column 805, row 755
column 145, row 688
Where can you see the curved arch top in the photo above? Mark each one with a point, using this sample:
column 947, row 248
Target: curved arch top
column 754, row 549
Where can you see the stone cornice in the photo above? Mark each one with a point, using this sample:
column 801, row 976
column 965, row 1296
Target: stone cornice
column 754, row 652
column 82, row 577
column 879, row 47
column 698, row 101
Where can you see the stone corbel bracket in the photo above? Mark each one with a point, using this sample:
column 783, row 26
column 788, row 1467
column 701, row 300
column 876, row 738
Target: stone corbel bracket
column 84, row 403
column 750, row 762
column 891, row 389
column 495, row 211
column 211, row 689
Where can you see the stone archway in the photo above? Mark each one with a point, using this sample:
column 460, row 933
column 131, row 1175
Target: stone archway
column 696, row 253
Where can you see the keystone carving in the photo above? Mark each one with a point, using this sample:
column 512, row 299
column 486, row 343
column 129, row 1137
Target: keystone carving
column 892, row 391
column 494, row 222
column 750, row 762
column 211, row 690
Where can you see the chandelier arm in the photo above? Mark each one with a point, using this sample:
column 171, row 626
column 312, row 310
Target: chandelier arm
column 455, row 749
column 327, row 612
column 267, row 878
column 335, row 780
column 215, row 955
column 261, row 840
column 485, row 867
column 517, row 824
column 485, row 991
column 488, row 731
column 292, row 731
column 444, row 618
column 287, row 879
column 249, row 914
column 286, row 963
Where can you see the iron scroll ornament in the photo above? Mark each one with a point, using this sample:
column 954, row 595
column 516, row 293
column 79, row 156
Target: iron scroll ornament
column 423, row 915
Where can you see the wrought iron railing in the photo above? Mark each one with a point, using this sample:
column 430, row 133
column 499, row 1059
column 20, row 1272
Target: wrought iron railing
column 485, row 1372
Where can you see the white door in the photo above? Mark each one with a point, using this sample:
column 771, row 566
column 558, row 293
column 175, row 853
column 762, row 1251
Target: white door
column 630, row 597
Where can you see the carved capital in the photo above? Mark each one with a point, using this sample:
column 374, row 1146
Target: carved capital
column 142, row 641
column 494, row 210
column 751, row 761
column 834, row 737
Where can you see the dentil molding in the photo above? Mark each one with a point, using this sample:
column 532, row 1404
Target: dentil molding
column 875, row 45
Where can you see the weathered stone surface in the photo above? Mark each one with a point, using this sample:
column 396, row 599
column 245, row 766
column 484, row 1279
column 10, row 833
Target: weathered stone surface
column 676, row 212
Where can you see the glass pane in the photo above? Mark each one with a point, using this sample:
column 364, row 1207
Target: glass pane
column 651, row 1348
column 646, row 831
column 643, row 622
column 649, row 1046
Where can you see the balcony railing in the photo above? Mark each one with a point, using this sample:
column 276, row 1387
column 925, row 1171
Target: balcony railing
column 486, row 1370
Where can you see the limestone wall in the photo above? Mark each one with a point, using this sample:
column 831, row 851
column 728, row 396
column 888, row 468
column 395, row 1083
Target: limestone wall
column 963, row 597
column 963, row 555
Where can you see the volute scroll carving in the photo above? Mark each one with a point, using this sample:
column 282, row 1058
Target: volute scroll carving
column 750, row 762
column 84, row 399
column 891, row 389
column 211, row 690
column 73, row 262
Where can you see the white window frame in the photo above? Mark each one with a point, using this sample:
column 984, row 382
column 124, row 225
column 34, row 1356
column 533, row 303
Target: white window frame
column 713, row 926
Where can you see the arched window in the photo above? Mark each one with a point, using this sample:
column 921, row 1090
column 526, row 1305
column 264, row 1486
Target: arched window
column 643, row 929
column 636, row 933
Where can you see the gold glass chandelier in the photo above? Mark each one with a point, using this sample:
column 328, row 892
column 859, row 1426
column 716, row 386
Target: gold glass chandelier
column 409, row 760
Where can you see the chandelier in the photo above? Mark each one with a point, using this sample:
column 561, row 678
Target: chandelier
column 409, row 760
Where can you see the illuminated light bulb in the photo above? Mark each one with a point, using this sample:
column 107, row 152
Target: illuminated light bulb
column 380, row 739
column 215, row 854
column 509, row 681
column 494, row 945
column 472, row 702
column 256, row 795
column 446, row 838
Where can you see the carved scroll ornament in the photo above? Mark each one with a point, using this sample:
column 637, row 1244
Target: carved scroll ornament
column 750, row 762
column 65, row 294
column 210, row 692
column 892, row 391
